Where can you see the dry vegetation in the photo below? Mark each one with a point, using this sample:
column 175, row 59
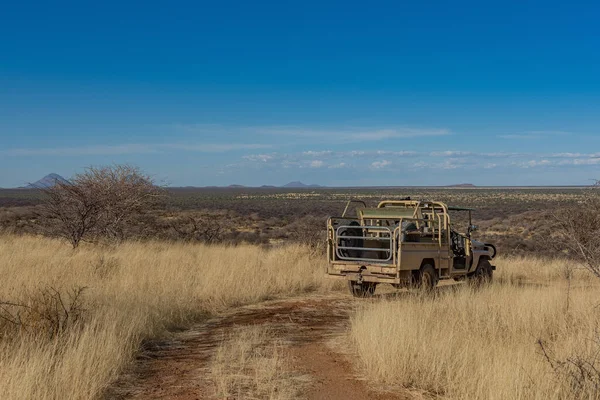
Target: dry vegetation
column 71, row 319
column 530, row 335
column 251, row 363
column 516, row 220
column 60, row 341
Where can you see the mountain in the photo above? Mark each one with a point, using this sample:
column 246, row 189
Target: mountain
column 47, row 181
column 298, row 184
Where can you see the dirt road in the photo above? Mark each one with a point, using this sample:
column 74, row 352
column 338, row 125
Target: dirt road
column 177, row 368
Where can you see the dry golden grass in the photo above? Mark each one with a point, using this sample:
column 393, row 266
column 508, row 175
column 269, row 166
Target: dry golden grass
column 459, row 343
column 251, row 363
column 134, row 291
column 466, row 343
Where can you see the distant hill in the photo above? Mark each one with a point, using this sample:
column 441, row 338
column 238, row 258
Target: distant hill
column 268, row 186
column 236, row 186
column 47, row 181
column 298, row 184
column 462, row 185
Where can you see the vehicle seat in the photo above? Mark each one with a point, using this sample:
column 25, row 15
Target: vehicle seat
column 410, row 232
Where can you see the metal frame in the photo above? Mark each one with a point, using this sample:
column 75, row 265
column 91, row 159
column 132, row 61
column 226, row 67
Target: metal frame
column 348, row 205
column 380, row 229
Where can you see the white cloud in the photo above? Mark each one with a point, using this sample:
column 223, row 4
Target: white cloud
column 450, row 153
column 397, row 153
column 352, row 134
column 501, row 154
column 289, row 164
column 533, row 163
column 340, row 165
column 438, row 160
column 447, row 164
column 568, row 155
column 581, row 161
column 259, row 157
column 381, row 164
column 575, row 155
column 311, row 153
column 452, row 164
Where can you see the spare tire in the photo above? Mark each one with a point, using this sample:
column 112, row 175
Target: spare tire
column 351, row 242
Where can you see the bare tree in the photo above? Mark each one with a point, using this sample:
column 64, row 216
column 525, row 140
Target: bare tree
column 198, row 229
column 124, row 193
column 98, row 203
column 578, row 233
column 309, row 230
column 579, row 230
column 69, row 211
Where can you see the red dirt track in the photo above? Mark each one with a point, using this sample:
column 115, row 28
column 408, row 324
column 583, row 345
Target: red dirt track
column 178, row 368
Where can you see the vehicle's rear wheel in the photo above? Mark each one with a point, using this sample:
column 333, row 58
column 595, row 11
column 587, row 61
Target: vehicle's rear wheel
column 428, row 277
column 364, row 289
column 483, row 273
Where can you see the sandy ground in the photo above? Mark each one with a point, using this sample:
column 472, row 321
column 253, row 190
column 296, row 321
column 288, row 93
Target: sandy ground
column 313, row 327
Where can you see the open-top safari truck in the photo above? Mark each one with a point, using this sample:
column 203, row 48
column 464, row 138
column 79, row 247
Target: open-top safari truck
column 404, row 243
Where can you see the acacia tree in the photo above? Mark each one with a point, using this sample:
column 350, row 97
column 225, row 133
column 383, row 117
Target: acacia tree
column 99, row 203
column 68, row 211
column 124, row 193
column 579, row 230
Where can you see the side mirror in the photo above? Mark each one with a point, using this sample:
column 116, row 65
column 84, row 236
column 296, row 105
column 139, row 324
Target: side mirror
column 473, row 228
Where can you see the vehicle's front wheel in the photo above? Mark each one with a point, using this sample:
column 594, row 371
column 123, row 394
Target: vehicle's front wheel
column 483, row 273
column 364, row 289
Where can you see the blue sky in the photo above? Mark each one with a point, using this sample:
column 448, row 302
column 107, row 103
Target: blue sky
column 334, row 93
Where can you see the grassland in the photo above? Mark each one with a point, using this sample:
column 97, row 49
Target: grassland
column 72, row 320
column 55, row 346
column 530, row 335
column 459, row 342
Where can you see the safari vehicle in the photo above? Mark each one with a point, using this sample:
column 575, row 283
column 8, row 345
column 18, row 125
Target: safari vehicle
column 405, row 243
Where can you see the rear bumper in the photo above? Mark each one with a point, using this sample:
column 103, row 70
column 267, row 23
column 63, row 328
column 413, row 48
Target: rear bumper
column 351, row 276
column 363, row 273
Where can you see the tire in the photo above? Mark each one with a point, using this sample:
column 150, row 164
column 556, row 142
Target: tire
column 351, row 242
column 428, row 278
column 365, row 289
column 483, row 274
